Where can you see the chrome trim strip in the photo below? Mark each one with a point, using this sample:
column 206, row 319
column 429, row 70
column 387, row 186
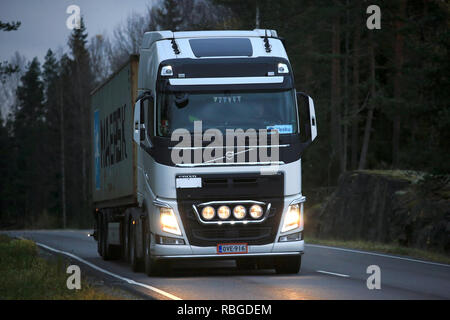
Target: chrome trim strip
column 229, row 201
column 298, row 200
column 224, row 256
column 227, row 80
column 221, row 222
column 223, row 147
column 161, row 204
column 265, row 163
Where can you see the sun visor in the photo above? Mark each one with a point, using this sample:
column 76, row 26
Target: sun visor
column 221, row 47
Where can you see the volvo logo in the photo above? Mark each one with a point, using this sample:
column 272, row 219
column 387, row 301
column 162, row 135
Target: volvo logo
column 229, row 155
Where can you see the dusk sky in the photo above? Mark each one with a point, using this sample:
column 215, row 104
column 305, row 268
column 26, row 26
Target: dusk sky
column 44, row 22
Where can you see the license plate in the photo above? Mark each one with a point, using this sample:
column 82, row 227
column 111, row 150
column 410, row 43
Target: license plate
column 188, row 182
column 230, row 248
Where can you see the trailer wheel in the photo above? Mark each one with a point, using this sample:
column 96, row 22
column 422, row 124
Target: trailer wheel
column 134, row 261
column 107, row 249
column 288, row 265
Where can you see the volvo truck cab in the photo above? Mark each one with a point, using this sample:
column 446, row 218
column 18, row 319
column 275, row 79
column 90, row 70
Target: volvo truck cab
column 217, row 137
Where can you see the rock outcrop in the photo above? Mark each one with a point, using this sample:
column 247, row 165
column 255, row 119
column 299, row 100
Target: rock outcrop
column 403, row 207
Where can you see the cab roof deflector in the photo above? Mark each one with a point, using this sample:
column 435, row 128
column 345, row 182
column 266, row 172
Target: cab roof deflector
column 153, row 36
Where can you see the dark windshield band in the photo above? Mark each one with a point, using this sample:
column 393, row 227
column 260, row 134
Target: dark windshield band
column 223, row 110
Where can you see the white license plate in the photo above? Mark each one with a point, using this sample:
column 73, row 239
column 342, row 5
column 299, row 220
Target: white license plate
column 230, row 248
column 188, row 182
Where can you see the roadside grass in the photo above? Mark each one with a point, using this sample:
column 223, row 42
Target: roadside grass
column 382, row 248
column 27, row 276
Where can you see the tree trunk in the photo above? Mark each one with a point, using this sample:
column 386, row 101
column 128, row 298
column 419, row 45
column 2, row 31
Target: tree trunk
column 368, row 128
column 336, row 95
column 398, row 48
column 83, row 121
column 62, row 159
column 257, row 16
column 345, row 114
column 355, row 104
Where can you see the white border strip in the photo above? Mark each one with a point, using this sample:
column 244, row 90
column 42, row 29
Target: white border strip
column 334, row 274
column 161, row 292
column 379, row 255
column 227, row 80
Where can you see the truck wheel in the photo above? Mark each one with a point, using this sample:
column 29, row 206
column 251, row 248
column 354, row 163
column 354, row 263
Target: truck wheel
column 152, row 267
column 100, row 236
column 104, row 239
column 126, row 240
column 134, row 261
column 288, row 265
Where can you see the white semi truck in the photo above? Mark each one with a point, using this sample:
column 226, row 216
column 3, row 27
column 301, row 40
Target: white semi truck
column 197, row 146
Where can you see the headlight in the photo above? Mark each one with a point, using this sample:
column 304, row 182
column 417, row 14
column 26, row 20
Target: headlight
column 283, row 68
column 208, row 213
column 224, row 212
column 239, row 212
column 169, row 221
column 256, row 211
column 292, row 219
column 167, row 71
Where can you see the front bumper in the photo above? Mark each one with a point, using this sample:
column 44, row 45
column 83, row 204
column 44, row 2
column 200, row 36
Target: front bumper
column 193, row 252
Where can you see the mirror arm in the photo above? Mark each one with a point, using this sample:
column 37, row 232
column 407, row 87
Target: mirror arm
column 144, row 95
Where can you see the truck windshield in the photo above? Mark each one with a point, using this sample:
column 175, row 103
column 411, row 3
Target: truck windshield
column 227, row 110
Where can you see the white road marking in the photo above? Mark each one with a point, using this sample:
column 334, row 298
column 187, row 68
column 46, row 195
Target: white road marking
column 161, row 292
column 334, row 274
column 379, row 254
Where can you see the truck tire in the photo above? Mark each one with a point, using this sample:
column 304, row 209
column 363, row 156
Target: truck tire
column 100, row 235
column 107, row 250
column 151, row 266
column 136, row 265
column 126, row 239
column 288, row 265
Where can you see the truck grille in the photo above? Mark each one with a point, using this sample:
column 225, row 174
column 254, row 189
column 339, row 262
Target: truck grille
column 200, row 234
column 232, row 187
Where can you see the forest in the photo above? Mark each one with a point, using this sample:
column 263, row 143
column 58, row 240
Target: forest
column 381, row 95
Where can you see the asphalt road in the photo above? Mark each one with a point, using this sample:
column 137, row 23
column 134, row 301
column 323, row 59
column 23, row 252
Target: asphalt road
column 327, row 273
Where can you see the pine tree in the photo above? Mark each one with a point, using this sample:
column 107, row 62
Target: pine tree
column 50, row 78
column 28, row 126
column 79, row 124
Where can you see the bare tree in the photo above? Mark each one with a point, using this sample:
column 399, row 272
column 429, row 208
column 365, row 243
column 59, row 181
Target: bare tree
column 127, row 39
column 9, row 84
column 99, row 48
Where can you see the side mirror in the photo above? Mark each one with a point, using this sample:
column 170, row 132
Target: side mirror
column 142, row 119
column 139, row 118
column 307, row 118
column 137, row 122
